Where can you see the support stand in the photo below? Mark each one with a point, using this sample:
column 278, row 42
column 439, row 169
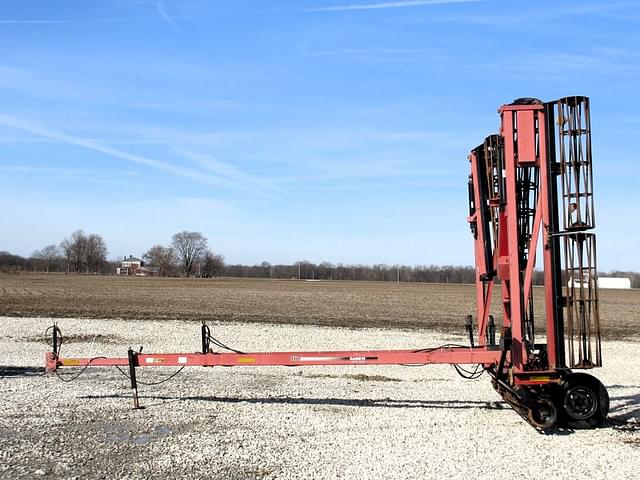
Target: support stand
column 132, row 376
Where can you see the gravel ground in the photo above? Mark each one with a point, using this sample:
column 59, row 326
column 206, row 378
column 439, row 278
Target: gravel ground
column 279, row 422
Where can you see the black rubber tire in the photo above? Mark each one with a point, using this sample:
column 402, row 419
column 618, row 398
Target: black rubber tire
column 543, row 414
column 583, row 401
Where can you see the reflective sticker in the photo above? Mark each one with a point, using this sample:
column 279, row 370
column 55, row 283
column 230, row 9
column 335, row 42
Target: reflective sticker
column 246, row 360
column 322, row 359
column 70, row 362
column 154, row 360
column 182, row 359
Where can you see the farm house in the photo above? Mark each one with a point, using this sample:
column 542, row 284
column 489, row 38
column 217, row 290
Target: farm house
column 134, row 266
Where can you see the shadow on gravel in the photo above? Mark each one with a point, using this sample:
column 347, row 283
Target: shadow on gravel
column 627, row 401
column 627, row 412
column 349, row 402
column 13, row 371
column 626, row 425
column 340, row 402
column 626, row 422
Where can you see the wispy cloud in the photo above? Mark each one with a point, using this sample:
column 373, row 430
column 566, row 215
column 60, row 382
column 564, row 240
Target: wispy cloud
column 386, row 5
column 171, row 20
column 604, row 62
column 74, row 174
column 47, row 84
column 190, row 174
column 560, row 12
column 384, row 56
column 229, row 172
column 565, row 66
column 65, row 21
column 402, row 173
column 166, row 17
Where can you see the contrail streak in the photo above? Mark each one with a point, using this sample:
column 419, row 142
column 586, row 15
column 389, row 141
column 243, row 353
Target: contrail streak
column 383, row 5
column 18, row 124
column 165, row 16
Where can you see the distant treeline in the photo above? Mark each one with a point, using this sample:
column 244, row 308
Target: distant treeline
column 10, row 263
column 382, row 272
column 301, row 270
column 304, row 270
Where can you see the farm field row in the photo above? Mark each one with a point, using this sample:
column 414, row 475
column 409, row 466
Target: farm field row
column 440, row 307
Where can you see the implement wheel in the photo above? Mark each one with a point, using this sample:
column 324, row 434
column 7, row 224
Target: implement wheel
column 543, row 414
column 583, row 402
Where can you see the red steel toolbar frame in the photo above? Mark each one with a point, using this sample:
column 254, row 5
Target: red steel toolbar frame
column 443, row 355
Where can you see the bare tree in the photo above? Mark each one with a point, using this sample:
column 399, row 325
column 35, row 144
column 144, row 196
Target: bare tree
column 161, row 257
column 13, row 263
column 84, row 251
column 65, row 247
column 95, row 252
column 212, row 264
column 188, row 247
column 37, row 262
column 49, row 255
column 267, row 269
column 74, row 250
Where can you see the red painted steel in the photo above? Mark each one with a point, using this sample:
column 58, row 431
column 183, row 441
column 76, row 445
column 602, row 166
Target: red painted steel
column 549, row 295
column 481, row 267
column 446, row 355
column 523, row 130
column 521, row 201
column 514, row 310
column 527, row 144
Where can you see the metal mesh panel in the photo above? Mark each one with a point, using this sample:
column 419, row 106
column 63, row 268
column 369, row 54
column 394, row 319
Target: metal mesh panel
column 494, row 159
column 574, row 142
column 582, row 320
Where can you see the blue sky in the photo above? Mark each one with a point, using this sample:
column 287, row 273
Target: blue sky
column 331, row 130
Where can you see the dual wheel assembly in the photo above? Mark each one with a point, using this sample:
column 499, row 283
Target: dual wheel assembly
column 579, row 401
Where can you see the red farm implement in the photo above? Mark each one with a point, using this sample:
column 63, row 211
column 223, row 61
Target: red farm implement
column 530, row 199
